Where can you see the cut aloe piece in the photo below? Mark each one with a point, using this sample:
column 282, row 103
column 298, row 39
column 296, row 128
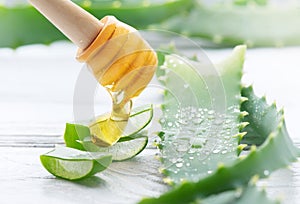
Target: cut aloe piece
column 74, row 132
column 125, row 149
column 139, row 119
column 72, row 164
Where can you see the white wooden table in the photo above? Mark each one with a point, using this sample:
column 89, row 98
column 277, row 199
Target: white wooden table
column 36, row 100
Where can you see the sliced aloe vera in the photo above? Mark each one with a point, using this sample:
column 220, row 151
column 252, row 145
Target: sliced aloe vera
column 125, row 149
column 139, row 119
column 72, row 164
column 74, row 132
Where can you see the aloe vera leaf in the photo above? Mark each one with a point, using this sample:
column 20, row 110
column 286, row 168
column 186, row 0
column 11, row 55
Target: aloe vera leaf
column 246, row 2
column 256, row 135
column 230, row 24
column 276, row 152
column 136, row 13
column 24, row 25
column 198, row 132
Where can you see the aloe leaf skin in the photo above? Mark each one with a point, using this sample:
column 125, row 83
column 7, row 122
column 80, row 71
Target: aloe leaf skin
column 278, row 151
column 198, row 135
column 230, row 24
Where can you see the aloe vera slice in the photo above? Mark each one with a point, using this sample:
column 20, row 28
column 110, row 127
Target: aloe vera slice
column 72, row 164
column 139, row 118
column 74, row 132
column 125, row 148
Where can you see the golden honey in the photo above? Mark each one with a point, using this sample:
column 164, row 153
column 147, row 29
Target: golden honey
column 124, row 63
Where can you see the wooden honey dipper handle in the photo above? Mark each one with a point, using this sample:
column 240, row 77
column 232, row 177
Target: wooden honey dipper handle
column 77, row 24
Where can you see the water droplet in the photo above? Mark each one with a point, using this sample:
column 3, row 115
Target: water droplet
column 218, row 121
column 182, row 121
column 180, row 160
column 173, row 160
column 182, row 148
column 162, row 120
column 224, row 152
column 192, row 151
column 198, row 142
column 197, row 121
column 211, row 112
column 179, row 164
column 211, row 117
column 227, row 121
column 170, row 124
column 266, row 173
column 191, row 158
column 186, row 86
column 209, row 172
column 216, row 151
column 188, row 164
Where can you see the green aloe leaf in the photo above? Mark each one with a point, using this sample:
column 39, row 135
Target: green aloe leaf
column 276, row 152
column 24, row 25
column 228, row 24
